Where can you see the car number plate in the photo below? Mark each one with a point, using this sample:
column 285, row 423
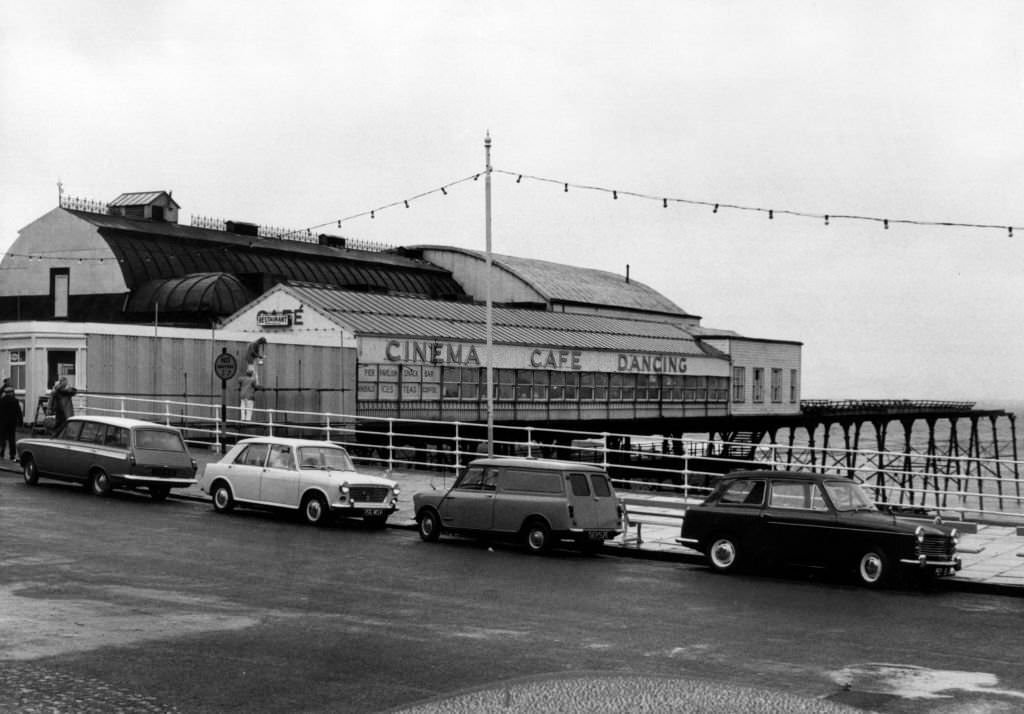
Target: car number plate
column 373, row 512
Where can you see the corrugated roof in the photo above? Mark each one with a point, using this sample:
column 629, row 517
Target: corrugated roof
column 207, row 293
column 386, row 315
column 142, row 198
column 558, row 282
column 156, row 250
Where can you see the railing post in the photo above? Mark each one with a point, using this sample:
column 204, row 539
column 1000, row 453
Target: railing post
column 216, row 436
column 604, row 450
column 122, row 408
column 686, row 475
column 167, row 413
column 270, row 422
column 391, row 444
column 458, row 451
column 327, row 429
column 529, row 441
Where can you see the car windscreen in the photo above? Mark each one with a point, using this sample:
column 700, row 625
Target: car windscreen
column 158, row 440
column 334, row 458
column 848, row 496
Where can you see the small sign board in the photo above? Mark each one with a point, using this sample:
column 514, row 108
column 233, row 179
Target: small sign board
column 225, row 366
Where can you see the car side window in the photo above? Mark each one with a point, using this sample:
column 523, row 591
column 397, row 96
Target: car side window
column 91, row 432
column 743, row 491
column 793, row 494
column 280, row 457
column 252, row 455
column 579, row 484
column 818, row 502
column 116, row 437
column 471, row 480
column 490, row 480
column 70, row 431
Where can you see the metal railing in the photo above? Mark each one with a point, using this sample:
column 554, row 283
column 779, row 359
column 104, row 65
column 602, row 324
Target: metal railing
column 967, row 486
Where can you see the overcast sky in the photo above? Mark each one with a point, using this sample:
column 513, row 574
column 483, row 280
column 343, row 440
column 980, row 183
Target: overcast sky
column 302, row 113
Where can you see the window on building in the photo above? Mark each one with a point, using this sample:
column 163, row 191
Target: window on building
column 622, row 388
column 59, row 285
column 471, row 383
column 776, row 385
column 16, row 360
column 505, row 384
column 648, row 388
column 718, row 389
column 564, row 386
column 758, row 385
column 672, row 388
column 540, row 386
column 739, row 384
column 794, row 386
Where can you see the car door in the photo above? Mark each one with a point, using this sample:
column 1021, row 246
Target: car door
column 279, row 480
column 81, row 454
column 246, row 470
column 49, row 454
column 469, row 505
column 799, row 526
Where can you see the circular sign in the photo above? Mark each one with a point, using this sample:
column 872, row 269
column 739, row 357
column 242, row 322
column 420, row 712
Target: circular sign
column 225, row 366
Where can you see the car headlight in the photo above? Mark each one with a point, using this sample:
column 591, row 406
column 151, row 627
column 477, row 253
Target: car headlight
column 954, row 536
column 344, row 488
column 397, row 490
column 919, row 534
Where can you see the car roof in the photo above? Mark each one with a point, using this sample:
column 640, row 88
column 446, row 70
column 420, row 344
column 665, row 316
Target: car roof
column 120, row 421
column 530, row 462
column 788, row 475
column 288, row 441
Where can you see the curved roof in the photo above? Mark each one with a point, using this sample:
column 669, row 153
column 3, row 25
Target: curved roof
column 157, row 250
column 557, row 282
column 388, row 315
column 208, row 293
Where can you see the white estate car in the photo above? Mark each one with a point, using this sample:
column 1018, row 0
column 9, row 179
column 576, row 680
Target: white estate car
column 315, row 477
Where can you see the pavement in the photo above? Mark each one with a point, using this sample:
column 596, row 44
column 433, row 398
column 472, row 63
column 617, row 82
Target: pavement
column 992, row 553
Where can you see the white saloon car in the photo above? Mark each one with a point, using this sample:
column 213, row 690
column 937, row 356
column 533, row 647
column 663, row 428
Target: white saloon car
column 315, row 477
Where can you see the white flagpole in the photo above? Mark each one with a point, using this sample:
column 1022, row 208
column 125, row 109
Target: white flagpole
column 490, row 323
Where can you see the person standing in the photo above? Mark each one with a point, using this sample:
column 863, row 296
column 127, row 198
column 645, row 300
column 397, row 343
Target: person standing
column 247, row 385
column 63, row 407
column 10, row 418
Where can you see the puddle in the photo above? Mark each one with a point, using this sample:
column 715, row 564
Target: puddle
column 910, row 682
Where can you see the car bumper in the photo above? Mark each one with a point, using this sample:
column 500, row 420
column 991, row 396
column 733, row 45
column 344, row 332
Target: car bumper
column 925, row 562
column 156, row 481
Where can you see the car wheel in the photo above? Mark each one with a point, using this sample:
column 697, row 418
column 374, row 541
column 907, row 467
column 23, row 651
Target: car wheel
column 29, row 471
column 538, row 537
column 873, row 568
column 159, row 493
column 314, row 510
column 223, row 500
column 100, row 482
column 724, row 554
column 429, row 525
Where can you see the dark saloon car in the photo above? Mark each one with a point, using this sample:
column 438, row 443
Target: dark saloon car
column 105, row 453
column 760, row 517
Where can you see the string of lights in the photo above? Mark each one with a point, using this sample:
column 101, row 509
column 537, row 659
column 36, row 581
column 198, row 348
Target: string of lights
column 717, row 206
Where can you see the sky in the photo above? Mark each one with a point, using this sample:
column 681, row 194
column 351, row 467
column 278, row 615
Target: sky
column 306, row 113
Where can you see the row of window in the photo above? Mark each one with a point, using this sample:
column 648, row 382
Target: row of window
column 757, row 385
column 531, row 385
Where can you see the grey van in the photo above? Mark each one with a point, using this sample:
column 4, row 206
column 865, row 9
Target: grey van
column 539, row 502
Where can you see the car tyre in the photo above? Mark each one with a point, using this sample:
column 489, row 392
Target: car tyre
column 29, row 471
column 537, row 536
column 223, row 499
column 100, row 482
column 873, row 568
column 723, row 554
column 429, row 525
column 159, row 493
column 315, row 510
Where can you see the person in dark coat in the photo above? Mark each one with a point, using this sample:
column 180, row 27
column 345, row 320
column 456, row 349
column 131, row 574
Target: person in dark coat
column 63, row 408
column 10, row 419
